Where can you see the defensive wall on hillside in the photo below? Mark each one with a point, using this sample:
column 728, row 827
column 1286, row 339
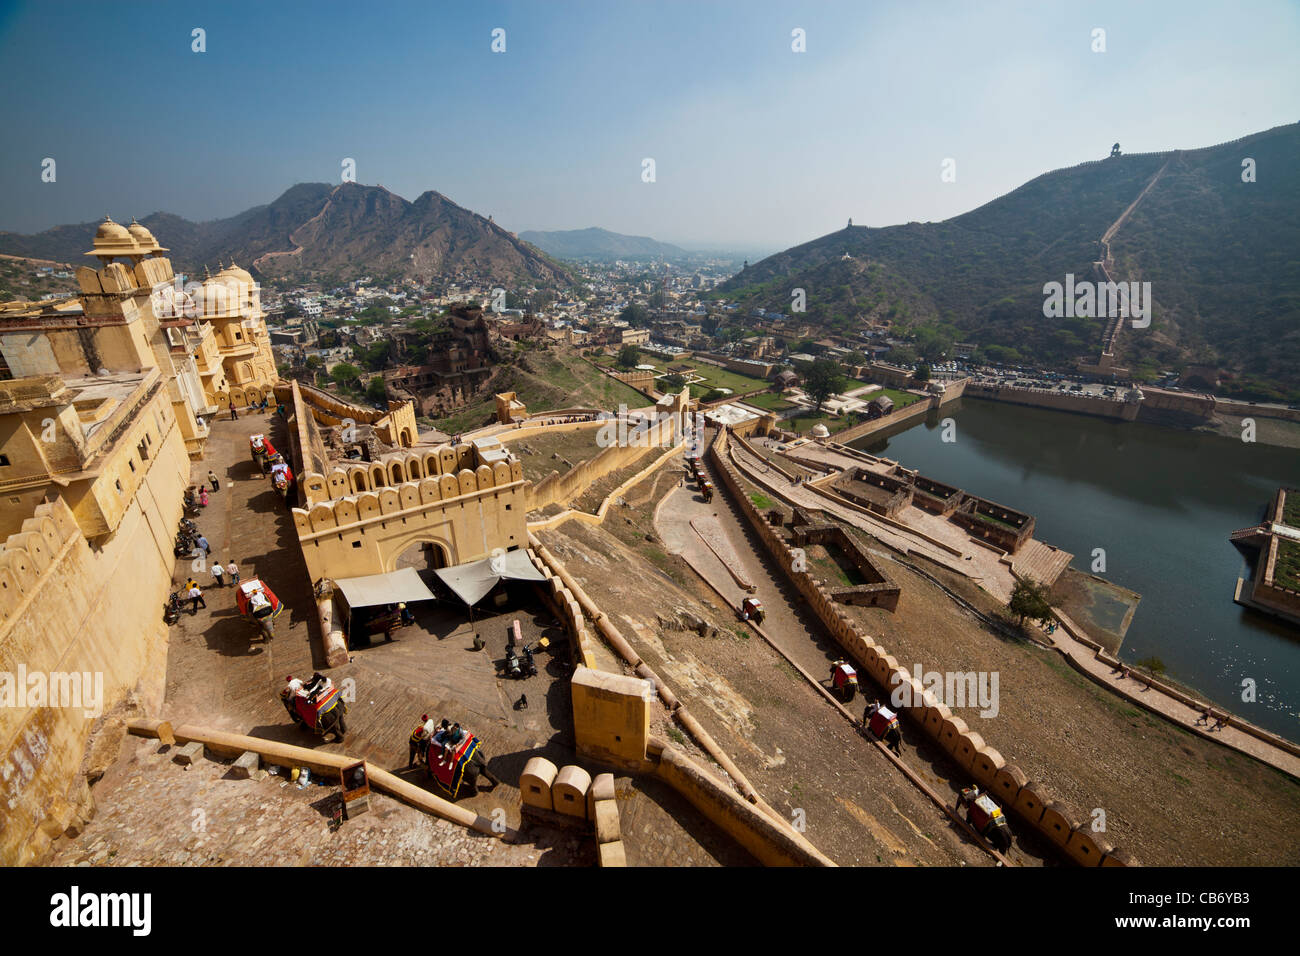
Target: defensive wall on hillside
column 556, row 487
column 1032, row 801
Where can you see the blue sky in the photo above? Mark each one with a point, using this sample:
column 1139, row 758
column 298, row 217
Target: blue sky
column 754, row 145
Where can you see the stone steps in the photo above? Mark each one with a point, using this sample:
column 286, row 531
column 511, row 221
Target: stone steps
column 1040, row 562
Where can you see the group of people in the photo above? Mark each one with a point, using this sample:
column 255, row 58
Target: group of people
column 219, row 573
column 255, row 407
column 444, row 735
column 1211, row 720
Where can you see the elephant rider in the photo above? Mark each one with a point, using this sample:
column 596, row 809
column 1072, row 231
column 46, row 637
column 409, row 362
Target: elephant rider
column 870, row 712
column 318, row 683
column 292, row 686
column 419, row 742
column 447, row 737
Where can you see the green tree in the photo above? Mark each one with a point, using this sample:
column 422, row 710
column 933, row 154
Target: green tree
column 628, row 356
column 636, row 315
column 922, row 373
column 1029, row 600
column 823, row 380
column 376, row 390
column 345, row 374
column 673, row 381
column 375, row 356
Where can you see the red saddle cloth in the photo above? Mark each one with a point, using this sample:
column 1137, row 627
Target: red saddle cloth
column 310, row 708
column 447, row 764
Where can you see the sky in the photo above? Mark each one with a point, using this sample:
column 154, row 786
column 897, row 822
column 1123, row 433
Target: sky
column 754, row 145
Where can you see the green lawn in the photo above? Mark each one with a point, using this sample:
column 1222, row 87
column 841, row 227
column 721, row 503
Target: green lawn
column 770, row 401
column 803, row 422
column 713, row 376
column 900, row 398
column 1286, row 571
column 1291, row 509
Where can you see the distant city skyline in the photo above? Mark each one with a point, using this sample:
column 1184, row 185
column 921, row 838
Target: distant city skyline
column 755, row 146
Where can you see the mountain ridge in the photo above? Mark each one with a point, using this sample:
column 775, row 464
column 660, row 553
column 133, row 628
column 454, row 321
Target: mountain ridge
column 315, row 229
column 1223, row 257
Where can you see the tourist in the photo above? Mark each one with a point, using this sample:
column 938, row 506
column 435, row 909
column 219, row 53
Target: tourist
column 1223, row 722
column 219, row 574
column 234, row 415
column 202, row 544
column 234, row 573
column 1206, row 716
column 203, row 496
column 196, row 595
column 212, row 478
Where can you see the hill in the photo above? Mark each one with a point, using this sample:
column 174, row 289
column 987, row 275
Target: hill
column 1222, row 256
column 601, row 245
column 318, row 230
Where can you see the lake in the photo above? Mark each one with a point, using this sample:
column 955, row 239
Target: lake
column 1161, row 502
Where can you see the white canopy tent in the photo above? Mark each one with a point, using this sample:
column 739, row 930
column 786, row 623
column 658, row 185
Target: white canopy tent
column 402, row 585
column 472, row 581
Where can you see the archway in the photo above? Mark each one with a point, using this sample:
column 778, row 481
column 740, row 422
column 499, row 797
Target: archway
column 423, row 555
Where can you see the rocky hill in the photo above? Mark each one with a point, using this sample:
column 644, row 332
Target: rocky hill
column 317, row 230
column 1222, row 257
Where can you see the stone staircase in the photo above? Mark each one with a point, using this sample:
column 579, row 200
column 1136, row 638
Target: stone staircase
column 1254, row 536
column 1040, row 562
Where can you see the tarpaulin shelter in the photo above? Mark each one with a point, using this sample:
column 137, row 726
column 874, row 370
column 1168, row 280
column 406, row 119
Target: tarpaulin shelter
column 471, row 582
column 395, row 587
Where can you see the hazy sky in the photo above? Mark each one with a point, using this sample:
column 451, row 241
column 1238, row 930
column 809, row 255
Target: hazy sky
column 754, row 145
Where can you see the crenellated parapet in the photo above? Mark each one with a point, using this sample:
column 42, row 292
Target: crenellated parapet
column 27, row 554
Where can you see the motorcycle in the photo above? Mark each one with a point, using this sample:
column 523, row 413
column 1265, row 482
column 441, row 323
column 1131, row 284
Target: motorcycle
column 520, row 667
column 188, row 525
column 172, row 610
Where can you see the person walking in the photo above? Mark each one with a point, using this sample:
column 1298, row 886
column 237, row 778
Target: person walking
column 219, row 574
column 234, row 573
column 196, row 596
column 212, row 479
column 202, row 544
column 234, row 415
column 203, row 496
